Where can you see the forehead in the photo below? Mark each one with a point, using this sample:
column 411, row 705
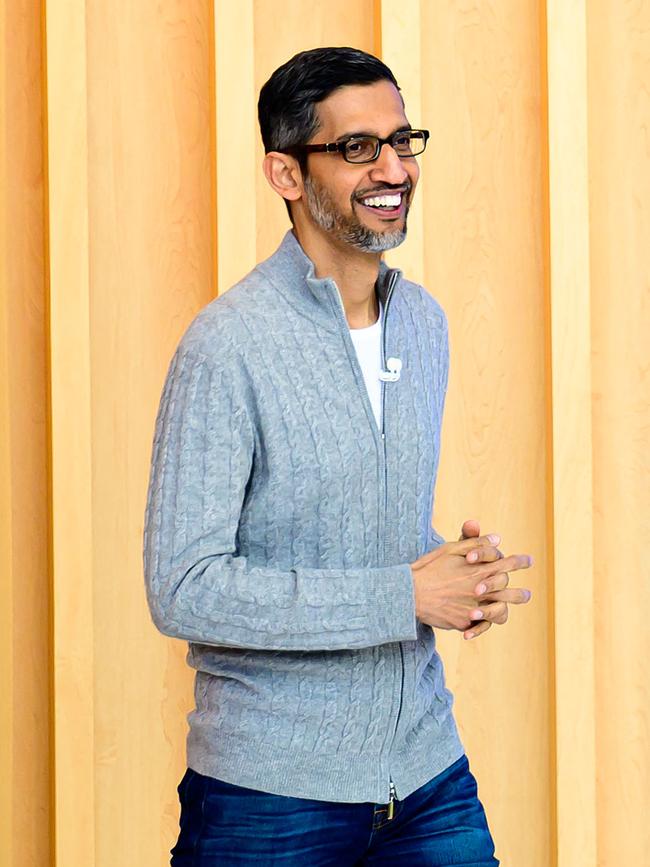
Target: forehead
column 370, row 108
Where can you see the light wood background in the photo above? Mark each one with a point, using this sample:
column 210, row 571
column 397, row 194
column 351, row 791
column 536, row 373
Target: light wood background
column 131, row 193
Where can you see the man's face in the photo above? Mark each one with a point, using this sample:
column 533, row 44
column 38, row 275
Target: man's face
column 335, row 190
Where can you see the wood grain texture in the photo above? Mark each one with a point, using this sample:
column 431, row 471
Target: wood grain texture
column 484, row 261
column 619, row 176
column 75, row 674
column 237, row 136
column 571, row 358
column 25, row 767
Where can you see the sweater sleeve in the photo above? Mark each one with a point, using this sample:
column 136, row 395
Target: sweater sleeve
column 199, row 587
column 435, row 539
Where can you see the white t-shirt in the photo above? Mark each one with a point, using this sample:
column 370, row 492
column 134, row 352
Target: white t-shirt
column 367, row 342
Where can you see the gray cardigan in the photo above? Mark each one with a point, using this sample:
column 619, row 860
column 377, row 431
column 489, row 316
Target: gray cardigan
column 280, row 524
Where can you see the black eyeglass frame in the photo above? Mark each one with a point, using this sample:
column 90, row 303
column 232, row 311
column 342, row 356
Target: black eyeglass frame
column 340, row 146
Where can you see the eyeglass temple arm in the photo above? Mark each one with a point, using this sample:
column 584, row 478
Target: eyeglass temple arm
column 330, row 146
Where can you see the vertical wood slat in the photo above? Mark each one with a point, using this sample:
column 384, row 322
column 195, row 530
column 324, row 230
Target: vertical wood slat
column 25, row 795
column 572, row 435
column 71, row 434
column 619, row 180
column 485, row 261
column 236, row 138
column 398, row 34
column 6, row 620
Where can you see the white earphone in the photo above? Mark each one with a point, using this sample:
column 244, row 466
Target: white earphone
column 394, row 366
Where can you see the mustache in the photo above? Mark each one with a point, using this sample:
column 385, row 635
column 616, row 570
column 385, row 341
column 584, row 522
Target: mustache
column 386, row 188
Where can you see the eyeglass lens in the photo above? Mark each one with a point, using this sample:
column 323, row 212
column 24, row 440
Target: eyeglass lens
column 362, row 149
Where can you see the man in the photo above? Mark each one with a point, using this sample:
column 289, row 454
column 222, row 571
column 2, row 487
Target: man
column 288, row 535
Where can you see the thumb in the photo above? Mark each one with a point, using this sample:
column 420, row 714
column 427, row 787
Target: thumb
column 470, row 529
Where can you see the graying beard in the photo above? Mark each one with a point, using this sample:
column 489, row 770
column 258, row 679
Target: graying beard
column 351, row 231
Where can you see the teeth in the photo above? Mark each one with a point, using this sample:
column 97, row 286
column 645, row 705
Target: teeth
column 387, row 201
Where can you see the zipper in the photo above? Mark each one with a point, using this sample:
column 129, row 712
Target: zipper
column 389, row 295
column 391, row 786
column 391, row 286
column 391, row 801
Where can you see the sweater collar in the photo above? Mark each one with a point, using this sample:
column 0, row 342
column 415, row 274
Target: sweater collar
column 293, row 273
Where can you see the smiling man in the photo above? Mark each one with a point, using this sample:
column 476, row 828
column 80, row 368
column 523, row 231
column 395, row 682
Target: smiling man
column 287, row 529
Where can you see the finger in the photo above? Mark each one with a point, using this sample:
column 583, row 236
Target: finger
column 466, row 545
column 492, row 584
column 485, row 554
column 495, row 612
column 476, row 629
column 513, row 596
column 508, row 564
column 470, row 530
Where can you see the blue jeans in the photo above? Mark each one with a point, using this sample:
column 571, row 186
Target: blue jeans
column 442, row 823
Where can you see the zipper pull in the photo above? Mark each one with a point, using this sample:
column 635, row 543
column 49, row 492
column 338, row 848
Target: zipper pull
column 391, row 801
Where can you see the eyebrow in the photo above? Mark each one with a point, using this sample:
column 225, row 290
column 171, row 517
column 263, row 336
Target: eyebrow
column 374, row 134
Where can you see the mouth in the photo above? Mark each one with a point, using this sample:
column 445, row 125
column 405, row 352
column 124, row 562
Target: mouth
column 387, row 204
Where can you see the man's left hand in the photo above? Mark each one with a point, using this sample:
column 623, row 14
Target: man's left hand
column 497, row 609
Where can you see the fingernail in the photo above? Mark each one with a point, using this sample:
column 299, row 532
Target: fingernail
column 528, row 595
column 494, row 538
column 476, row 615
column 470, row 635
column 530, row 560
column 480, row 590
column 473, row 556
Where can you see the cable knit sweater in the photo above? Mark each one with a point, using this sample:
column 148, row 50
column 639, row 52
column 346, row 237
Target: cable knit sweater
column 280, row 524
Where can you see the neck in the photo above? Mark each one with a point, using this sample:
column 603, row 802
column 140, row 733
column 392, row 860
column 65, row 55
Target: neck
column 354, row 272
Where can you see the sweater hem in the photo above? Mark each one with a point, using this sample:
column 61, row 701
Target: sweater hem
column 339, row 777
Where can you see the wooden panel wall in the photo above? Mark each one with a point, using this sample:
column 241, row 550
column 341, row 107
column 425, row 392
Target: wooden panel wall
column 126, row 204
column 26, row 756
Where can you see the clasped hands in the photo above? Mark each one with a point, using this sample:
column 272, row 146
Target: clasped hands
column 460, row 585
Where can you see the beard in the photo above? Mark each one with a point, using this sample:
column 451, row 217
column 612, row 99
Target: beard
column 349, row 230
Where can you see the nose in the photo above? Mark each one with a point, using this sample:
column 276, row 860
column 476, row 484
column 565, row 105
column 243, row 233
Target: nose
column 388, row 166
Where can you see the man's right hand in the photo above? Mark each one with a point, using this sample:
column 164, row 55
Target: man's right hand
column 446, row 583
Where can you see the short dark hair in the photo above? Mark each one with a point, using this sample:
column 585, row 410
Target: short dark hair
column 286, row 108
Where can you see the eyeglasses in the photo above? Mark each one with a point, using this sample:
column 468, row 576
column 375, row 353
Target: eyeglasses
column 366, row 148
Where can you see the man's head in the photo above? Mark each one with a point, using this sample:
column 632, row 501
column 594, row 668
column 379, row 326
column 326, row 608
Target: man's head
column 324, row 96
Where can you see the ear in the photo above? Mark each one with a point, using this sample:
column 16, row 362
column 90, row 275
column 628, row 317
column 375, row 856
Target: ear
column 283, row 174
